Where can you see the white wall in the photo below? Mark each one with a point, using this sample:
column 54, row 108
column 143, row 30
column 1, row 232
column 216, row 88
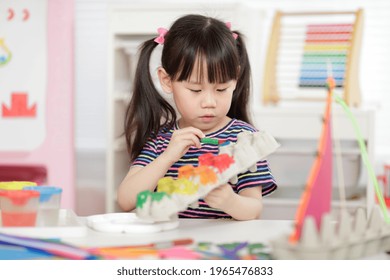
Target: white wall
column 91, row 79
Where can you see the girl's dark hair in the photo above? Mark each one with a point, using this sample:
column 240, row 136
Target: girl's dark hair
column 191, row 39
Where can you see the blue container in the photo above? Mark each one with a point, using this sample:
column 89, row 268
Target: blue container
column 49, row 195
column 49, row 204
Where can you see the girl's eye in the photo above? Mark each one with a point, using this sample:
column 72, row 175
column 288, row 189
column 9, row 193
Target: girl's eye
column 221, row 89
column 195, row 90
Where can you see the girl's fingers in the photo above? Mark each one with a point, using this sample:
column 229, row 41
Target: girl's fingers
column 195, row 140
column 187, row 140
column 188, row 133
column 191, row 130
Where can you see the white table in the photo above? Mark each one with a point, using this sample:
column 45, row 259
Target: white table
column 200, row 230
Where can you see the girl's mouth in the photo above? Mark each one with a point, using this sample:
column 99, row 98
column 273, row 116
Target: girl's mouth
column 207, row 118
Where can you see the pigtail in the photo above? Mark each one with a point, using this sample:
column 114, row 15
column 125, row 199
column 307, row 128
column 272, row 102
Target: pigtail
column 240, row 102
column 148, row 111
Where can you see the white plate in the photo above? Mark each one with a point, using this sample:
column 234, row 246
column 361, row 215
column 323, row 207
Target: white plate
column 127, row 223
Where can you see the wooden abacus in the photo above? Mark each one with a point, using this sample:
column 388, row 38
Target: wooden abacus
column 307, row 47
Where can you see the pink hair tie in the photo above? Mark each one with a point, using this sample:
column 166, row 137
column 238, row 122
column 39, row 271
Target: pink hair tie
column 229, row 25
column 161, row 38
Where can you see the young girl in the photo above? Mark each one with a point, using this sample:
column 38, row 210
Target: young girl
column 205, row 67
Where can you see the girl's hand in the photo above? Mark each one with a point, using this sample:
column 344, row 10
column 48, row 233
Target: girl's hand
column 221, row 197
column 180, row 143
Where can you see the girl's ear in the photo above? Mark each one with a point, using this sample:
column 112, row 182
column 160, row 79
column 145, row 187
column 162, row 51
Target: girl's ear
column 165, row 80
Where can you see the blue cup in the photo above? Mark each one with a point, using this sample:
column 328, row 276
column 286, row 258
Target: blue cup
column 49, row 204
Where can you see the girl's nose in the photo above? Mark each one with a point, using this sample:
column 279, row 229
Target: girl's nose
column 209, row 100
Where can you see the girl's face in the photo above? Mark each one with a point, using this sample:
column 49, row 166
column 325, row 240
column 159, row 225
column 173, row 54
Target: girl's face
column 201, row 104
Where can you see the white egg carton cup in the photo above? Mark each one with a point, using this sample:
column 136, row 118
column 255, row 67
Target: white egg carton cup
column 246, row 152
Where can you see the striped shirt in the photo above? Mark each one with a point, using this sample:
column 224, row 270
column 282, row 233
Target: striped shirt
column 261, row 178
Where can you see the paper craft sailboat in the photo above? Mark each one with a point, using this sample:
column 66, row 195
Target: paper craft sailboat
column 316, row 235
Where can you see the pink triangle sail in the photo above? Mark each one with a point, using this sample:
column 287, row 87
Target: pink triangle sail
column 316, row 199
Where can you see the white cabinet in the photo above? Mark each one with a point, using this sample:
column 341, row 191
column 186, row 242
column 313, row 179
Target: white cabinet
column 298, row 128
column 122, row 61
